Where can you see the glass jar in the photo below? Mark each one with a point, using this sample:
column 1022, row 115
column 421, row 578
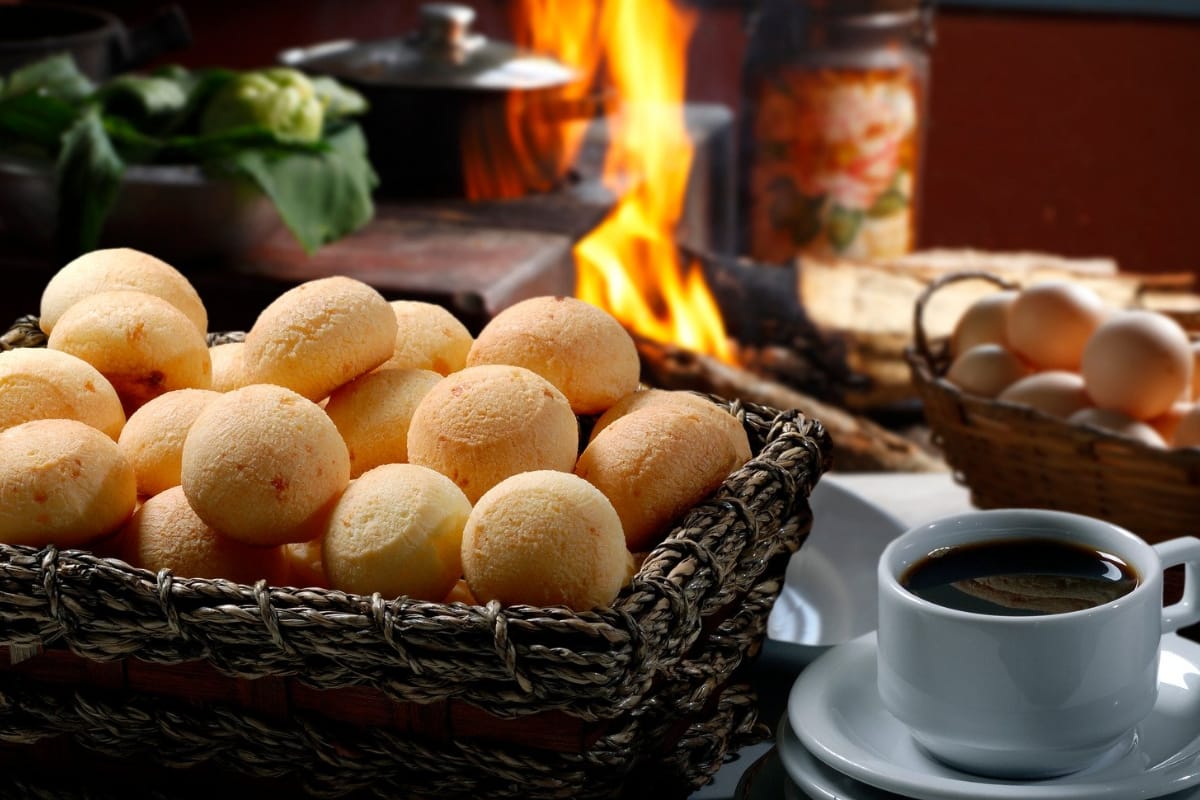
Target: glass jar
column 832, row 128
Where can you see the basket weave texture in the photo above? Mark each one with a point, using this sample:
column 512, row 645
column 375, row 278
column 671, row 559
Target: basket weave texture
column 393, row 697
column 1011, row 455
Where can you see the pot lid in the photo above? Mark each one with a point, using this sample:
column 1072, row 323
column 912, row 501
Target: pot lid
column 443, row 53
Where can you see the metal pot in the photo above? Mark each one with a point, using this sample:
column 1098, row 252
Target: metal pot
column 99, row 42
column 444, row 91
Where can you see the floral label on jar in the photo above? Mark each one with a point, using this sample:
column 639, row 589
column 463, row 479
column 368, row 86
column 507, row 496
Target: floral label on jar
column 835, row 155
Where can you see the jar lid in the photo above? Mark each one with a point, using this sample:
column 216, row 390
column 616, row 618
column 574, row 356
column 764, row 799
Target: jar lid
column 443, row 53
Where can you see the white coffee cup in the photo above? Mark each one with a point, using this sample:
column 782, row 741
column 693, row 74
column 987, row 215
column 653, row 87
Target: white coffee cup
column 1024, row 697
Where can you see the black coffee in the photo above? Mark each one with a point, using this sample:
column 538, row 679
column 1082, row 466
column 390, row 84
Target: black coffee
column 1020, row 577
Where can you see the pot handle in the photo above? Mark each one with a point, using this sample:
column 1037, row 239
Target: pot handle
column 166, row 30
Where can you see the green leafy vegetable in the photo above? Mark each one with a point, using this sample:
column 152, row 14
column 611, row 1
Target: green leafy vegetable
column 318, row 193
column 88, row 178
column 290, row 135
column 281, row 100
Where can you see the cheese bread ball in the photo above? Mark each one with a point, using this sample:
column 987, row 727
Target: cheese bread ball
column 579, row 348
column 545, row 538
column 303, row 565
column 319, row 335
column 62, row 482
column 655, row 463
column 373, row 411
column 461, row 593
column 117, row 269
column 144, row 345
column 153, row 438
column 263, row 465
column 38, row 383
column 227, row 372
column 398, row 531
column 653, row 397
column 428, row 337
column 482, row 424
column 165, row 533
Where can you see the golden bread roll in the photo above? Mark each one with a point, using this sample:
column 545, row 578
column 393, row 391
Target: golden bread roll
column 119, row 269
column 654, row 397
column 144, row 345
column 263, row 465
column 545, row 538
column 153, row 437
column 227, row 372
column 373, row 411
column 303, row 565
column 655, row 463
column 461, row 593
column 318, row 335
column 398, row 531
column 62, row 482
column 579, row 348
column 428, row 337
column 165, row 533
column 39, row 383
column 482, row 424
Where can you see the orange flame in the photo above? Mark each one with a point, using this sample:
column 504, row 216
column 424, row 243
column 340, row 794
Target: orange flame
column 630, row 265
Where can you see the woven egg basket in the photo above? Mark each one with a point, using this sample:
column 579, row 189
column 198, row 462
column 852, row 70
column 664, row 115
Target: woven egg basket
column 174, row 684
column 1010, row 455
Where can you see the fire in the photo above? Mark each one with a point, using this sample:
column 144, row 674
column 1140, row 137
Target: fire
column 630, row 265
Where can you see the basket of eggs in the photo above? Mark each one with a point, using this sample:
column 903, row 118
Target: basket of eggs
column 358, row 551
column 1044, row 397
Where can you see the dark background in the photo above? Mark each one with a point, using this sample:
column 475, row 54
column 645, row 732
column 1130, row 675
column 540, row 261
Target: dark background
column 1071, row 132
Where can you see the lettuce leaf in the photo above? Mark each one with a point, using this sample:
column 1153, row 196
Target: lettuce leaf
column 89, row 134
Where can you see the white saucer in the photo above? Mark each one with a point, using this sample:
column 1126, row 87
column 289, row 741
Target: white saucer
column 829, row 595
column 815, row 779
column 808, row 778
column 834, row 708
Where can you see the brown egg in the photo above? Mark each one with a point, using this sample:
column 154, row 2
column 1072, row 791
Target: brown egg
column 984, row 322
column 1057, row 392
column 1195, row 370
column 1049, row 323
column 1167, row 423
column 986, row 370
column 1119, row 423
column 1187, row 432
column 1138, row 362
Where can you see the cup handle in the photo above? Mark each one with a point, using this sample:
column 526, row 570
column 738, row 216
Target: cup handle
column 1183, row 551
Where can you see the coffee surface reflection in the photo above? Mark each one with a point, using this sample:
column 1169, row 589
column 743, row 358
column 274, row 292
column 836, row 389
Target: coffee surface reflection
column 1020, row 577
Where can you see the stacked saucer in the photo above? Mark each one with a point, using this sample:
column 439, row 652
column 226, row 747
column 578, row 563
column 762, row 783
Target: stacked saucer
column 837, row 742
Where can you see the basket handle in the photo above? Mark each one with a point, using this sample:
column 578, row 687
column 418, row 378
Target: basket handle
column 920, row 337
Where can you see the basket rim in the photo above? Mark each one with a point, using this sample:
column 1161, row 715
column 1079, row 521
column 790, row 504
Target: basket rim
column 928, row 360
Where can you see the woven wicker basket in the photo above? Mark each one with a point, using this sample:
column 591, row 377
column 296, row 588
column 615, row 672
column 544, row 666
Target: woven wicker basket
column 1015, row 456
column 339, row 694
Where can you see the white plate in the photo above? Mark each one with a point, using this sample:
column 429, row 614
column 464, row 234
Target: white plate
column 834, row 708
column 829, row 594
